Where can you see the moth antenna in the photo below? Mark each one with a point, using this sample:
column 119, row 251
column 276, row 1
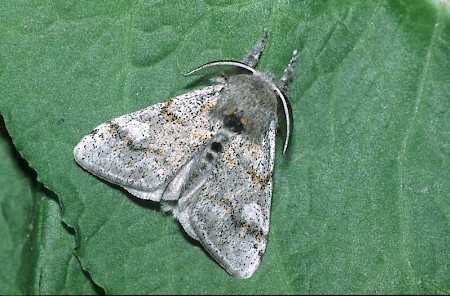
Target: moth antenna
column 288, row 114
column 252, row 58
column 221, row 68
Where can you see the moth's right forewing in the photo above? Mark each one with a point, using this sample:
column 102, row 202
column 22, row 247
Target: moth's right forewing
column 230, row 213
column 143, row 150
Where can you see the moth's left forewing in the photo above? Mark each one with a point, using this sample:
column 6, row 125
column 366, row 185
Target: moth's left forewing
column 230, row 214
column 143, row 150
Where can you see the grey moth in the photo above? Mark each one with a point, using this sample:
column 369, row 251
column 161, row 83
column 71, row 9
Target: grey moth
column 207, row 156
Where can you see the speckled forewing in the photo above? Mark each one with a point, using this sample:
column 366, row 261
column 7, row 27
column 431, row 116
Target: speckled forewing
column 230, row 213
column 141, row 151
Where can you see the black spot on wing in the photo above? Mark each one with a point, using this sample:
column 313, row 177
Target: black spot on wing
column 216, row 147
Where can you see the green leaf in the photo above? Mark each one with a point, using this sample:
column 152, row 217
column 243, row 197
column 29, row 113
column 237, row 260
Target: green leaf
column 54, row 268
column 360, row 203
column 36, row 250
column 15, row 219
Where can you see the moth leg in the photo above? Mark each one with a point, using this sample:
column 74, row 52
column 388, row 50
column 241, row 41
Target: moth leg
column 176, row 186
column 152, row 195
column 252, row 58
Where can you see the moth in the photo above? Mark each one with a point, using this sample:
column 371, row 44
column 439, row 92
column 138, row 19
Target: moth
column 207, row 156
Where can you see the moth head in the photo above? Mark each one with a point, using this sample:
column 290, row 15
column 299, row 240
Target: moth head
column 228, row 67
